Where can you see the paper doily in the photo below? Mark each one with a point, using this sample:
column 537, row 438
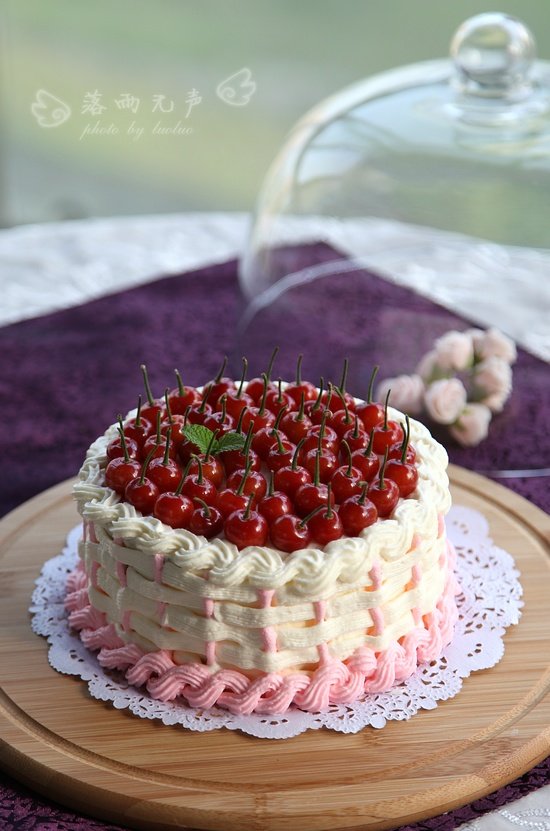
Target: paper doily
column 490, row 600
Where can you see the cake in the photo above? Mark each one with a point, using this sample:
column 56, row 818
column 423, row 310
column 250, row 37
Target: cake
column 285, row 610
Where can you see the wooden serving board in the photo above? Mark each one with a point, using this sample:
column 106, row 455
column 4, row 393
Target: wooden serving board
column 112, row 765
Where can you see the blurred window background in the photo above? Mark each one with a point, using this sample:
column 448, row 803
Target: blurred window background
column 112, row 108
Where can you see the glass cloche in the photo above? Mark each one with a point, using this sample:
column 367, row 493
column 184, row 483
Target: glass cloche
column 414, row 203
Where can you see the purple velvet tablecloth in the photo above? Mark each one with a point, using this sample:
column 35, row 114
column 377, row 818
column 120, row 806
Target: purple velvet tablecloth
column 66, row 375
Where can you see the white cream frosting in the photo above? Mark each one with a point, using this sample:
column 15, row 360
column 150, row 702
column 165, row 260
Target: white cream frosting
column 288, row 633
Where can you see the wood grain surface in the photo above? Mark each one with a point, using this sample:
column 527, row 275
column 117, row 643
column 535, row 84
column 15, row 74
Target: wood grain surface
column 110, row 764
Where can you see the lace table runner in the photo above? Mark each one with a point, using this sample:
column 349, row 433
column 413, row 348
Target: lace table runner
column 490, row 600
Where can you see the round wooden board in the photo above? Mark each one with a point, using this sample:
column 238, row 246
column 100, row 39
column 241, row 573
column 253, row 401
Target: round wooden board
column 109, row 764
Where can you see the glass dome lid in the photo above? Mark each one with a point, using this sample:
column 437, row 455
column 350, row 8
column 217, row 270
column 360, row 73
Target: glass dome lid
column 436, row 175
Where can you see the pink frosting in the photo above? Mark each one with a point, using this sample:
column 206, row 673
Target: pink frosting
column 334, row 681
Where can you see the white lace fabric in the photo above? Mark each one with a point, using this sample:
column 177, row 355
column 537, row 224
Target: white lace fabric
column 489, row 602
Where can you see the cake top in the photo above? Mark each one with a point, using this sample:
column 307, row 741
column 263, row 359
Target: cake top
column 264, row 472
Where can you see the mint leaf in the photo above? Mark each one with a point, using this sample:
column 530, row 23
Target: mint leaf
column 200, row 436
column 231, row 441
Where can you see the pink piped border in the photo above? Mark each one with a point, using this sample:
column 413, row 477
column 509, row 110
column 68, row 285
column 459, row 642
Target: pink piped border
column 333, row 682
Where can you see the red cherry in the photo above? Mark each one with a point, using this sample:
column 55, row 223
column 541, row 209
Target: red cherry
column 266, row 438
column 207, row 464
column 290, row 477
column 119, row 472
column 275, row 504
column 154, row 406
column 356, row 437
column 260, row 417
column 198, row 413
column 182, row 397
column 229, row 501
column 277, row 400
column 197, row 486
column 221, row 384
column 396, row 451
column 384, row 492
column 164, row 472
column 357, row 513
column 177, row 424
column 254, row 483
column 311, row 496
column 157, row 444
column 296, row 424
column 328, row 463
column 173, row 509
column 325, row 524
column 280, row 455
column 115, row 449
column 343, row 400
column 289, row 533
column 404, row 474
column 142, row 492
column 346, row 481
column 246, row 527
column 385, row 435
column 206, row 520
column 329, row 439
column 237, row 399
column 138, row 428
column 220, row 422
column 255, row 388
column 300, row 387
column 239, row 459
column 366, row 460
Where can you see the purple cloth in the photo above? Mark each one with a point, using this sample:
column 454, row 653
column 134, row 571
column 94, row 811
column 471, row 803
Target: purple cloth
column 66, row 375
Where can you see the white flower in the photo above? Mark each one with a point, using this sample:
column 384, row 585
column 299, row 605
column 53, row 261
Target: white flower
column 494, row 344
column 492, row 380
column 472, row 426
column 454, row 351
column 426, row 366
column 407, row 393
column 445, row 400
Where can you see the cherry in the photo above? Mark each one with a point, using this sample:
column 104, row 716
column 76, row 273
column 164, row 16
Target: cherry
column 254, row 482
column 259, row 416
column 329, row 438
column 116, row 447
column 237, row 399
column 275, row 504
column 142, row 492
column 324, row 522
column 306, row 387
column 396, row 450
column 281, row 454
column 211, row 466
column 312, row 494
column 246, row 527
column 371, row 413
column 205, row 520
column 121, row 470
column 290, row 477
column 221, row 385
column 366, row 460
column 289, row 533
column 328, row 463
column 265, row 438
column 196, row 486
column 313, row 407
column 387, row 433
column 324, row 412
column 164, row 472
column 182, row 397
column 175, row 423
column 255, row 388
column 200, row 412
column 220, row 422
column 346, row 481
column 153, row 405
column 356, row 437
column 174, row 508
column 384, row 492
column 357, row 512
column 342, row 420
column 138, row 428
column 277, row 400
column 344, row 399
column 404, row 474
column 296, row 424
column 238, row 459
column 157, row 444
column 230, row 500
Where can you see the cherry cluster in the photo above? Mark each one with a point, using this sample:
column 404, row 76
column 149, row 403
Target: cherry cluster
column 255, row 462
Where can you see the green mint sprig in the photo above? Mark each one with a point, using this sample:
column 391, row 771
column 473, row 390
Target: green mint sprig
column 204, row 439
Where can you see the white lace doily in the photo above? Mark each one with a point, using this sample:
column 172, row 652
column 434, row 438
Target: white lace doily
column 490, row 600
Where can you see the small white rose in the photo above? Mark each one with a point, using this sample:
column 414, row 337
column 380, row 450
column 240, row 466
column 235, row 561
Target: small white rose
column 454, row 351
column 495, row 344
column 445, row 400
column 492, row 381
column 472, row 426
column 427, row 366
column 407, row 393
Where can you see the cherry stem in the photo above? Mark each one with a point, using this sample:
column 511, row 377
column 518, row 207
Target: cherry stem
column 299, row 370
column 343, row 400
column 363, row 497
column 368, row 448
column 329, row 396
column 320, row 395
column 271, row 486
column 242, row 483
column 248, row 440
column 280, row 387
column 344, row 375
column 205, row 393
column 381, row 481
column 205, row 507
column 271, row 362
column 406, row 438
column 200, row 479
column 248, row 506
column 137, row 419
column 167, row 446
column 181, row 388
column 265, row 378
column 301, row 410
column 330, row 512
column 322, row 428
column 317, row 469
column 182, row 480
column 239, row 427
column 187, row 468
column 279, row 442
column 386, row 410
column 146, row 384
column 311, row 514
column 355, row 433
column 371, row 384
column 123, row 444
column 168, row 407
column 350, row 459
column 158, row 428
column 296, row 453
column 210, row 445
column 243, row 376
column 186, row 414
column 280, row 415
column 223, row 401
column 146, row 465
column 218, row 377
